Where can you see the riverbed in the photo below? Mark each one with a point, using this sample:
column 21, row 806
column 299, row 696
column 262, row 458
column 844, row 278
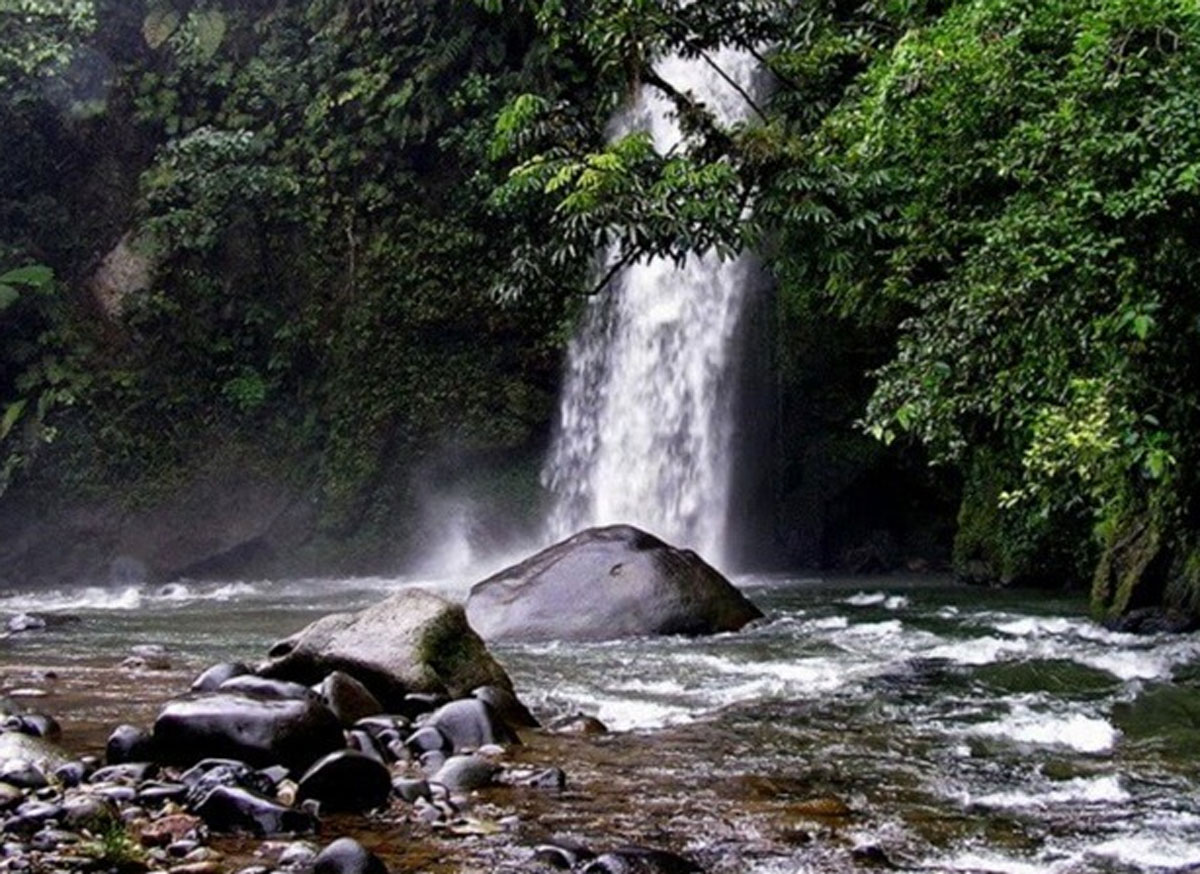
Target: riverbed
column 865, row 724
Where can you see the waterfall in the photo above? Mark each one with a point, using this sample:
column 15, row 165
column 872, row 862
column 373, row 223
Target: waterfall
column 646, row 420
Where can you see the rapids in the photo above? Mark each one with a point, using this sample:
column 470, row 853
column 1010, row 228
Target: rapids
column 905, row 722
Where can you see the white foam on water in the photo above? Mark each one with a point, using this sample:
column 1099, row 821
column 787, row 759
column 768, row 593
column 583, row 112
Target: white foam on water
column 69, row 600
column 980, row 650
column 1076, row 731
column 1082, row 790
column 988, row 863
column 866, row 599
column 895, row 602
column 1151, row 851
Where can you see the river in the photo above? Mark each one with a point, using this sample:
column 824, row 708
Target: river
column 906, row 723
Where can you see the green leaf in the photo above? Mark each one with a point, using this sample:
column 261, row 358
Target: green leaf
column 34, row 276
column 11, row 414
column 8, row 296
column 159, row 25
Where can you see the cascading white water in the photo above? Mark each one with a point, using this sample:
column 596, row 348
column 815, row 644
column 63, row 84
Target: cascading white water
column 646, row 418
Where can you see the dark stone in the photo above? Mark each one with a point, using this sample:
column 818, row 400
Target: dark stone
column 261, row 687
column 349, row 699
column 207, row 775
column 22, row 774
column 506, row 704
column 258, row 731
column 34, row 724
column 641, row 860
column 233, row 809
column 428, row 739
column 346, row 780
column 432, row 761
column 471, row 723
column 361, row 741
column 606, row 583
column 413, row 641
column 411, row 790
column 1153, row 620
column 91, row 812
column 126, row 772
column 71, row 774
column 347, row 856
column 211, row 678
column 383, row 723
column 128, row 743
column 466, row 773
column 561, row 852
column 419, row 703
column 156, row 793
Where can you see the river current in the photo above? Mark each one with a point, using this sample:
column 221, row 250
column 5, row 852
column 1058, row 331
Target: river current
column 865, row 724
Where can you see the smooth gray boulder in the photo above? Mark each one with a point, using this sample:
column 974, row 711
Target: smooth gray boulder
column 607, row 583
column 413, row 641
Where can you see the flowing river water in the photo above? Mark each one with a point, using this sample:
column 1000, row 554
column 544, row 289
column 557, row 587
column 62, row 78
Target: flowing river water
column 865, row 724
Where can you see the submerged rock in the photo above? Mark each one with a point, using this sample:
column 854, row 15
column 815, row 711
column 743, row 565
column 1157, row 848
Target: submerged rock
column 605, row 583
column 347, row 856
column 258, row 731
column 413, row 641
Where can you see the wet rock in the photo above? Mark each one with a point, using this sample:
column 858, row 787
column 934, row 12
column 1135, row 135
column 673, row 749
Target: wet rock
column 428, row 739
column 1154, row 620
column 410, row 790
column 10, row 796
column 606, row 583
column 233, row 809
column 298, row 855
column 384, row 726
column 346, row 781
column 507, row 705
column 90, row 812
column 126, row 772
column 181, row 848
column 413, row 641
column 432, row 761
column 349, row 699
column 347, row 856
column 578, row 723
column 128, row 743
column 466, row 773
column 259, row 731
column 208, row 774
column 36, row 724
column 563, row 853
column 362, row 742
column 471, row 723
column 40, row 752
column 417, row 704
column 214, row 676
column 71, row 774
column 641, row 860
column 261, row 687
column 155, row 794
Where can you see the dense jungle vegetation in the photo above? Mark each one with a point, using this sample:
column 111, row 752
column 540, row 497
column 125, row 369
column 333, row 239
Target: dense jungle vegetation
column 349, row 237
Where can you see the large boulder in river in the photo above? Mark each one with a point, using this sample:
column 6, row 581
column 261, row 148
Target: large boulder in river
column 605, row 583
column 259, row 731
column 413, row 641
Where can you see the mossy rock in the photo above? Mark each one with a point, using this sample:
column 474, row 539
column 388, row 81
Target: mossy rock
column 1058, row 676
column 413, row 641
column 1166, row 715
